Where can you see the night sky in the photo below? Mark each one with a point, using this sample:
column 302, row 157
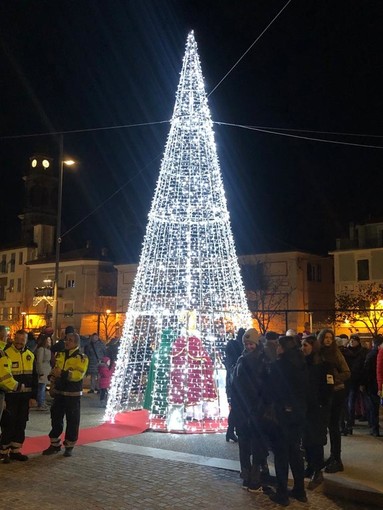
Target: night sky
column 72, row 65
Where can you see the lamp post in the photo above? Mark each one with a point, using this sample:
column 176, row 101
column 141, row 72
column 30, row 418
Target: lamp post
column 62, row 162
column 23, row 320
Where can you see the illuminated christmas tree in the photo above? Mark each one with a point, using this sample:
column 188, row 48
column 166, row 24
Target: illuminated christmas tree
column 188, row 297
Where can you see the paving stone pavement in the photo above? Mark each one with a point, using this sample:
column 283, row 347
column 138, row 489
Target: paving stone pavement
column 102, row 476
column 100, row 479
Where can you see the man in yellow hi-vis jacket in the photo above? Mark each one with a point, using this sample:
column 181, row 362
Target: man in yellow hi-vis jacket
column 66, row 381
column 7, row 381
column 18, row 401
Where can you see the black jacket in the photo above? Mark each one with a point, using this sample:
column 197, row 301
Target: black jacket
column 247, row 397
column 369, row 378
column 288, row 388
column 318, row 401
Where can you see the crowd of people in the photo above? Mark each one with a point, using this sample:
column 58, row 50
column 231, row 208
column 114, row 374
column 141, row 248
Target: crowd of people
column 29, row 365
column 288, row 393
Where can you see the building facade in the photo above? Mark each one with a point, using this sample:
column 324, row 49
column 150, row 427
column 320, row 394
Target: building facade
column 86, row 292
column 293, row 288
column 358, row 271
column 289, row 290
column 358, row 258
column 13, row 281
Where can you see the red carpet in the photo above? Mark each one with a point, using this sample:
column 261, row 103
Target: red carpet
column 126, row 424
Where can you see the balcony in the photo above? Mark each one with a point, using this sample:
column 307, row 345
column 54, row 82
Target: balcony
column 43, row 294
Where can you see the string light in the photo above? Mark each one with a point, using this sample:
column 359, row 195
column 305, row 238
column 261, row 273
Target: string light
column 188, row 297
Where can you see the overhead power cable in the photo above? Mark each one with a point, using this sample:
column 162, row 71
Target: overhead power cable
column 289, row 135
column 86, row 130
column 249, row 48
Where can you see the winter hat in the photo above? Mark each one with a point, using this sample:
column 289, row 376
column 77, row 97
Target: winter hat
column 271, row 336
column 251, row 335
column 355, row 337
column 291, row 332
column 69, row 330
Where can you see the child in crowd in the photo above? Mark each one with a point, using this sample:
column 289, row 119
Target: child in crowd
column 105, row 372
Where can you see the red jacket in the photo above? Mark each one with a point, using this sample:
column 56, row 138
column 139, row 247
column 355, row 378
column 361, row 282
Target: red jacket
column 379, row 369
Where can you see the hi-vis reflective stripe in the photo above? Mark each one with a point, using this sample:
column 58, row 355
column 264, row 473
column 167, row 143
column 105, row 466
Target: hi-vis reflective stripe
column 5, row 377
column 69, row 393
column 15, row 371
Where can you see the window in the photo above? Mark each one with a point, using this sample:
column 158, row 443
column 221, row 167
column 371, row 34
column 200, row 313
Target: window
column 363, row 269
column 3, row 264
column 18, row 284
column 3, row 286
column 70, row 281
column 21, row 257
column 319, row 273
column 314, row 272
column 13, row 262
column 11, row 287
column 68, row 309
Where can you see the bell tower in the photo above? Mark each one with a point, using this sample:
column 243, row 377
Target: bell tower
column 40, row 204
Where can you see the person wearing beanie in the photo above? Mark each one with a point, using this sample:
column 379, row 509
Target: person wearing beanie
column 247, row 402
column 331, row 354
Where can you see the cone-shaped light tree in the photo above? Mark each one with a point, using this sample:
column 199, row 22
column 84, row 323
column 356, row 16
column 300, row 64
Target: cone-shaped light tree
column 188, row 297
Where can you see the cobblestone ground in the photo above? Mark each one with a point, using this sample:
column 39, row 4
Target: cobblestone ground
column 100, row 479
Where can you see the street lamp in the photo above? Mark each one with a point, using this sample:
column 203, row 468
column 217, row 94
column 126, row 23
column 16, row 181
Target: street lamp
column 23, row 319
column 106, row 324
column 62, row 162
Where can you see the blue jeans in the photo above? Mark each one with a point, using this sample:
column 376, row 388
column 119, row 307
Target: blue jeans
column 41, row 394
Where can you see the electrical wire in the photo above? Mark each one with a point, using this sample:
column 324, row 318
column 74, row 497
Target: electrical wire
column 249, row 48
column 323, row 140
column 86, row 130
column 109, row 198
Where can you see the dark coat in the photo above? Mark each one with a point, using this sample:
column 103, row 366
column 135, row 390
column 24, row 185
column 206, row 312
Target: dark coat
column 318, row 402
column 288, row 389
column 369, row 377
column 248, row 388
column 355, row 359
column 233, row 351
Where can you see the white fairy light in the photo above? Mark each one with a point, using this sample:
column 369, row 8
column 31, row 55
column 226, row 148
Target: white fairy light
column 188, row 296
